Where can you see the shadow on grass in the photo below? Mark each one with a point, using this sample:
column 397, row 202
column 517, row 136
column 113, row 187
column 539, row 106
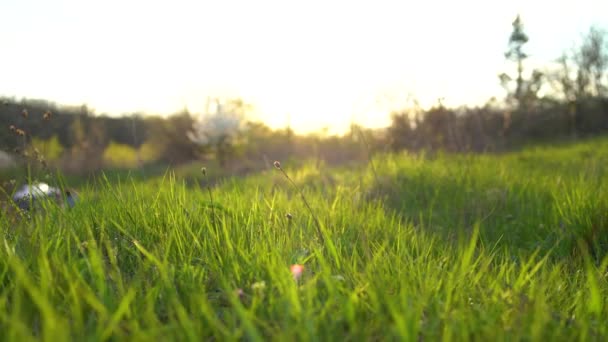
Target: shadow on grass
column 521, row 216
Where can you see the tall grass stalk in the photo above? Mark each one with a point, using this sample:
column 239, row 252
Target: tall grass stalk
column 320, row 234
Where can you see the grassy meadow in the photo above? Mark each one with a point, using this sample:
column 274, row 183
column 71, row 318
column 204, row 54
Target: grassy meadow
column 407, row 247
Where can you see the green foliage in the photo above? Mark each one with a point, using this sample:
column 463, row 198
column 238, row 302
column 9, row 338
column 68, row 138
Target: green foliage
column 51, row 149
column 517, row 39
column 120, row 155
column 149, row 153
column 433, row 247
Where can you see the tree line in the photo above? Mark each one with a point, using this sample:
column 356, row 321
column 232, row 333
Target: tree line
column 568, row 99
column 561, row 101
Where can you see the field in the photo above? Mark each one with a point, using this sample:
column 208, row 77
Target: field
column 407, row 247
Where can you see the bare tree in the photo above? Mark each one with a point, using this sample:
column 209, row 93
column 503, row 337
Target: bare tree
column 592, row 63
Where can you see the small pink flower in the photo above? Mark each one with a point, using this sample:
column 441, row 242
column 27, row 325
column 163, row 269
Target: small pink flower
column 296, row 271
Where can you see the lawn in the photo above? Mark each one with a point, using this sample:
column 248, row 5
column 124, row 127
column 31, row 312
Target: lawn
column 407, row 247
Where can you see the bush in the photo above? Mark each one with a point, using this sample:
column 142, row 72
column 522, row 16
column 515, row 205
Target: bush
column 120, row 156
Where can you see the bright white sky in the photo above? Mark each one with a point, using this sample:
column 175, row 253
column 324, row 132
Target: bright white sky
column 320, row 63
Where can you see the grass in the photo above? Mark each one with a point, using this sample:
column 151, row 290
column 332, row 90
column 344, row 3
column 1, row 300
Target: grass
column 509, row 247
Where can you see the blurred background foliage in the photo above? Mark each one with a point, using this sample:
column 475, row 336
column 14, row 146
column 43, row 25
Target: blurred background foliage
column 565, row 101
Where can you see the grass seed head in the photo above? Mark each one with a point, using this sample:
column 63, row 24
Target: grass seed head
column 258, row 285
column 338, row 277
column 204, row 170
column 277, row 164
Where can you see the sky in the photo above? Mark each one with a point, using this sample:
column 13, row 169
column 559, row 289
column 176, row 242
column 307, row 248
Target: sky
column 310, row 64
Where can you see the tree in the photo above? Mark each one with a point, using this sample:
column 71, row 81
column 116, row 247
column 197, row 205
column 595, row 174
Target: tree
column 582, row 82
column 515, row 53
column 524, row 92
column 592, row 63
column 166, row 136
